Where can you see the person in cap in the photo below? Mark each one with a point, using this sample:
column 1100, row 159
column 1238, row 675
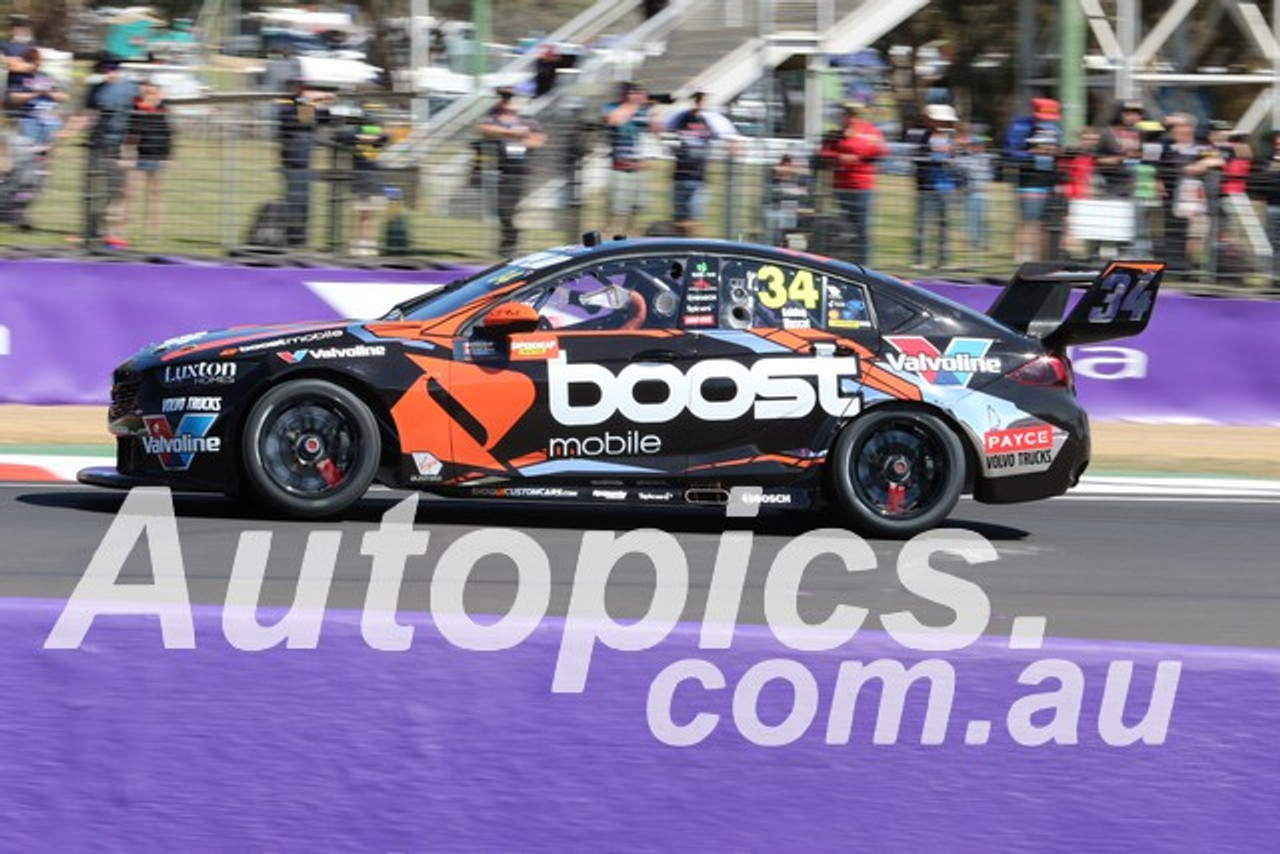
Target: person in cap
column 515, row 137
column 298, row 121
column 852, row 153
column 627, row 120
column 1031, row 147
column 107, row 108
column 696, row 130
column 933, row 143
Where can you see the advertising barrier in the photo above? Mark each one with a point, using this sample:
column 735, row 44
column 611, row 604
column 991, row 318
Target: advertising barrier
column 64, row 325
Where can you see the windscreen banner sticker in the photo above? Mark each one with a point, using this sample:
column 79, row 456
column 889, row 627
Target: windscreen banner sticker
column 956, row 365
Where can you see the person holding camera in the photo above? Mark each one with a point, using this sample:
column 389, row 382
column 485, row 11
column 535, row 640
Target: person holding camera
column 365, row 141
column 628, row 120
column 516, row 137
column 299, row 120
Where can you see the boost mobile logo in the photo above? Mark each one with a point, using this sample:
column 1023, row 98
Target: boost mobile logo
column 770, row 389
column 964, row 358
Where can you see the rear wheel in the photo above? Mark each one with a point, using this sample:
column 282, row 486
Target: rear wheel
column 897, row 472
column 310, row 449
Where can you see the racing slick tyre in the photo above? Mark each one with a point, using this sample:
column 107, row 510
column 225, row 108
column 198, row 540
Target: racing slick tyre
column 310, row 449
column 897, row 472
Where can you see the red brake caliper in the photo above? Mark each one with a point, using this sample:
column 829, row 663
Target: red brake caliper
column 328, row 471
column 897, row 495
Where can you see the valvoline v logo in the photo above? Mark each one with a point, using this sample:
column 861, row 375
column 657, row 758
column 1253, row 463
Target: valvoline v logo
column 293, row 357
column 963, row 358
column 176, row 450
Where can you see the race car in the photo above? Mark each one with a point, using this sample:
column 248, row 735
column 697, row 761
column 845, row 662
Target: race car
column 657, row 371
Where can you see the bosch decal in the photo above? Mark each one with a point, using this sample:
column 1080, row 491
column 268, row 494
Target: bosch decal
column 963, row 358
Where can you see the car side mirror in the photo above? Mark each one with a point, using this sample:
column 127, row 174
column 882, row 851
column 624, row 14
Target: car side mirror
column 509, row 318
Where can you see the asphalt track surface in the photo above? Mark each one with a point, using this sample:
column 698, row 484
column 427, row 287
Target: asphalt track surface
column 1135, row 569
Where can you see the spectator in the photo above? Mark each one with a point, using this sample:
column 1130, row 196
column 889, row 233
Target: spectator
column 628, row 119
column 299, row 119
column 515, row 137
column 1184, row 164
column 1234, row 216
column 1037, row 176
column 694, row 136
column 36, row 101
column 1266, row 181
column 151, row 134
column 788, row 193
column 934, row 147
column 1146, row 186
column 1081, row 177
column 976, row 167
column 853, row 154
column 1120, row 149
column 365, row 142
column 20, row 41
column 108, row 107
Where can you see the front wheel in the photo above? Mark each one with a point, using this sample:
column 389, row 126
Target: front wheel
column 897, row 472
column 310, row 449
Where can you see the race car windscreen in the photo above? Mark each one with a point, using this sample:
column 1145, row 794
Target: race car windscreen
column 455, row 295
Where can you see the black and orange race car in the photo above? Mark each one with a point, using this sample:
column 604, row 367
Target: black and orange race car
column 653, row 371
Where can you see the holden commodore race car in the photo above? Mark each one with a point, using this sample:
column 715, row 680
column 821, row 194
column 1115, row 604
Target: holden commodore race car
column 647, row 371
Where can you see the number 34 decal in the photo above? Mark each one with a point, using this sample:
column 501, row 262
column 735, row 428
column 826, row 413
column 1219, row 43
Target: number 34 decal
column 774, row 291
column 1125, row 297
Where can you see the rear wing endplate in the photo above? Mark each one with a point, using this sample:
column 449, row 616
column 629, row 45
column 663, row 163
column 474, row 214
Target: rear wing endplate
column 1117, row 304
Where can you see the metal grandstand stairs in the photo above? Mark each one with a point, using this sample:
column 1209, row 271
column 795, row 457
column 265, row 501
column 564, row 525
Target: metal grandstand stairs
column 717, row 46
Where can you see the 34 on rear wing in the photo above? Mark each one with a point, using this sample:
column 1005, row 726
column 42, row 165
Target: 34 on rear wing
column 1117, row 303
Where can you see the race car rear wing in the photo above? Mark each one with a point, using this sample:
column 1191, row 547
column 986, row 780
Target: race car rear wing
column 1117, row 303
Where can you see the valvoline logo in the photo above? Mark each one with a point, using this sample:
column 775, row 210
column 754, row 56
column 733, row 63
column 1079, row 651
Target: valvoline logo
column 963, row 358
column 177, row 450
column 293, row 357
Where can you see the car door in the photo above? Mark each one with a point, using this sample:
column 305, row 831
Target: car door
column 602, row 390
column 775, row 376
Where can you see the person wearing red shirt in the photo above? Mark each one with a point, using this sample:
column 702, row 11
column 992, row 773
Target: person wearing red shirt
column 852, row 155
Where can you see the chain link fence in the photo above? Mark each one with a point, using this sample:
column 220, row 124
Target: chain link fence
column 223, row 186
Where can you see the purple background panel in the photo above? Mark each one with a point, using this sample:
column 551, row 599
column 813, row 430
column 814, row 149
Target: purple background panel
column 123, row 746
column 70, row 323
